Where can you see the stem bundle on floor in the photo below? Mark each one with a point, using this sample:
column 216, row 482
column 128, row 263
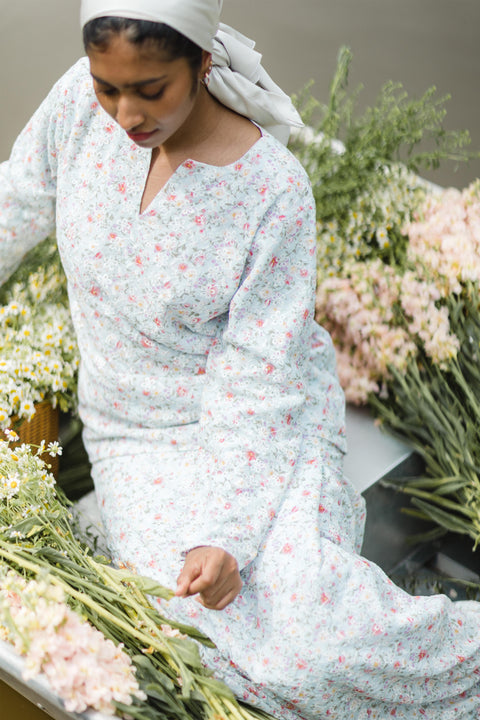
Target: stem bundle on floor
column 438, row 410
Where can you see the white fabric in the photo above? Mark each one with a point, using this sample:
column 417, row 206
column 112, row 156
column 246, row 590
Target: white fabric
column 238, row 79
column 196, row 19
column 240, row 82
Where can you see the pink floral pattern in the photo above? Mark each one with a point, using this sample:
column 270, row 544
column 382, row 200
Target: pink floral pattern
column 213, row 415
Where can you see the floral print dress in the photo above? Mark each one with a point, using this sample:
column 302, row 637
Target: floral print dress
column 213, row 415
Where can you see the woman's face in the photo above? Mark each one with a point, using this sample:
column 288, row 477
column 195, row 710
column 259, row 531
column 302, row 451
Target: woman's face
column 148, row 95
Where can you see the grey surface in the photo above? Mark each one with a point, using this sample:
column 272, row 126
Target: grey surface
column 372, row 453
column 418, row 42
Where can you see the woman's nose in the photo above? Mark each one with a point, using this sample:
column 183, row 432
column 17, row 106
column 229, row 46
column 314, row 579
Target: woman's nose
column 128, row 114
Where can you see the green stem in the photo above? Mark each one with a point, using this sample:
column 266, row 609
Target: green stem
column 139, row 609
column 83, row 598
column 440, row 500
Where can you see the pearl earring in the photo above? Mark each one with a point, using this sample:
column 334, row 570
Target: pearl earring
column 206, row 77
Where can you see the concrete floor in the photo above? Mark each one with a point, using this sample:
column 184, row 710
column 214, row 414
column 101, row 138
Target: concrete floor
column 417, row 42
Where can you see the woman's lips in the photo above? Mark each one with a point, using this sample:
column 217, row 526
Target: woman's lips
column 138, row 137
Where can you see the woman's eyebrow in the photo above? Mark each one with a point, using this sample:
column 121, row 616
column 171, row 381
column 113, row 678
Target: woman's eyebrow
column 150, row 81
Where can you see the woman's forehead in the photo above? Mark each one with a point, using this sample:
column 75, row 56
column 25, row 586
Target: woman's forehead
column 124, row 63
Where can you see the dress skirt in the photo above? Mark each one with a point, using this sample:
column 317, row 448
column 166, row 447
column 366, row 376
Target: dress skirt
column 317, row 631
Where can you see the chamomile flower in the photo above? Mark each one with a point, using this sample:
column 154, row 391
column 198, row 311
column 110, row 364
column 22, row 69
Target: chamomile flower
column 54, row 449
column 38, row 350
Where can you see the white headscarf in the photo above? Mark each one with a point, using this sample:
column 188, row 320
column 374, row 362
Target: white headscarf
column 237, row 79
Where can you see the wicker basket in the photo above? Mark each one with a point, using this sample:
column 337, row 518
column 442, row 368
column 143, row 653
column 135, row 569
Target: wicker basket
column 42, row 426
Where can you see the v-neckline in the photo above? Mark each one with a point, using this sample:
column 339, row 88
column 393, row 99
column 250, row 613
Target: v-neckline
column 161, row 190
column 188, row 163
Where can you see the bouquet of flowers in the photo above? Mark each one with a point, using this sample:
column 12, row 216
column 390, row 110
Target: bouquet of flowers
column 398, row 286
column 365, row 168
column 38, row 350
column 89, row 627
column 84, row 668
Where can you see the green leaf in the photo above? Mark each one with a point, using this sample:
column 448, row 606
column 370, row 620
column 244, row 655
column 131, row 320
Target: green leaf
column 443, row 518
column 217, row 688
column 145, row 584
column 140, row 712
column 423, row 482
column 428, row 536
column 27, row 527
column 187, row 651
column 189, row 630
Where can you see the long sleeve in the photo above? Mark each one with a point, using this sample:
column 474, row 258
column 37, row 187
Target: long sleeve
column 28, row 182
column 257, row 383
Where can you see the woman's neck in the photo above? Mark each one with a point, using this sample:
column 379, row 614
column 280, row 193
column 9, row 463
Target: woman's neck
column 212, row 134
column 199, row 129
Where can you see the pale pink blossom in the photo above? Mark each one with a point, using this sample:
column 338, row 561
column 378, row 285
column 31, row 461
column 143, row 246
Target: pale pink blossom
column 378, row 317
column 427, row 320
column 444, row 238
column 359, row 312
column 83, row 667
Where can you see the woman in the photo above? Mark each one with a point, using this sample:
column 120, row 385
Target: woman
column 212, row 411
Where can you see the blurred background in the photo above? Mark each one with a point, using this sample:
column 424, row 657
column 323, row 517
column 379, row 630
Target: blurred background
column 419, row 43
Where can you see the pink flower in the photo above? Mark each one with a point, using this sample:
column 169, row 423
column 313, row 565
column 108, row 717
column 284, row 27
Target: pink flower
column 82, row 667
column 444, row 239
column 357, row 310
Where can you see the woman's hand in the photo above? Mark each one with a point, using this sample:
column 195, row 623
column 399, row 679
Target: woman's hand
column 213, row 574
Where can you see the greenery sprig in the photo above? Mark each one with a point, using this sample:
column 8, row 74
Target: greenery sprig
column 364, row 166
column 389, row 132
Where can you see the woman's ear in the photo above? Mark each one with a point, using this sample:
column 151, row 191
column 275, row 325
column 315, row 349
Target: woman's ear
column 206, row 67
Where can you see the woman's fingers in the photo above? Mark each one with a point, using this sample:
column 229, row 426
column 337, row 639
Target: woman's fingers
column 213, row 574
column 220, row 602
column 192, row 569
column 221, row 594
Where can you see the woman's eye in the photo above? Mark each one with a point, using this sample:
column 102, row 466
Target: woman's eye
column 107, row 91
column 155, row 96
column 111, row 92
